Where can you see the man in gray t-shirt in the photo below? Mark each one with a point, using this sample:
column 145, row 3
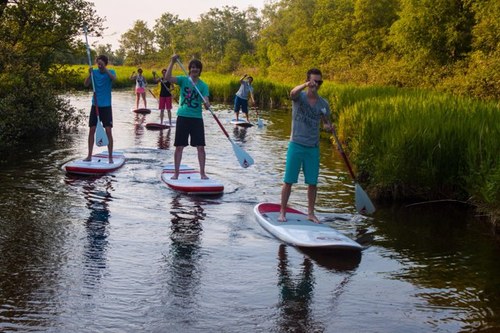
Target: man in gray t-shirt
column 308, row 109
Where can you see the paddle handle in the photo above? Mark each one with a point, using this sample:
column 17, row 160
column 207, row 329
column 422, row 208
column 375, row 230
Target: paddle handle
column 199, row 93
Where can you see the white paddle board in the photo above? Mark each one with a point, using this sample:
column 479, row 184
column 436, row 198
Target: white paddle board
column 299, row 231
column 157, row 126
column 190, row 182
column 99, row 164
column 241, row 122
column 142, row 111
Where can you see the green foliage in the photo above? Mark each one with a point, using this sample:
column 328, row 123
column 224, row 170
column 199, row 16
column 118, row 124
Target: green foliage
column 426, row 144
column 34, row 35
column 138, row 43
column 30, row 109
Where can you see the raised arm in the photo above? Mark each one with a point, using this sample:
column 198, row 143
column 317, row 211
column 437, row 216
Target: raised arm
column 168, row 75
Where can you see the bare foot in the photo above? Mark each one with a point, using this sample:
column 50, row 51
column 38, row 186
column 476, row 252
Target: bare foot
column 203, row 177
column 87, row 159
column 313, row 218
column 175, row 176
column 282, row 218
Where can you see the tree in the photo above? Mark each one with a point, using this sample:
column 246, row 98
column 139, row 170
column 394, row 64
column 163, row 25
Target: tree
column 218, row 27
column 167, row 33
column 34, row 36
column 138, row 43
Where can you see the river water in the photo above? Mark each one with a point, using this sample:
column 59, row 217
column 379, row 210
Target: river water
column 124, row 253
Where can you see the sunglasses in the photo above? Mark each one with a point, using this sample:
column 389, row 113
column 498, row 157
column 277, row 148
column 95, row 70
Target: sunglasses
column 319, row 82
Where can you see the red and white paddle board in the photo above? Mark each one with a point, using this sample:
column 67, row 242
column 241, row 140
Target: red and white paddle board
column 99, row 164
column 158, row 126
column 299, row 231
column 142, row 111
column 190, row 182
column 241, row 122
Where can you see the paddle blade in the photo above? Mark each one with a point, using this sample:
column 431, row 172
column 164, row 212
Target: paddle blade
column 363, row 203
column 243, row 157
column 101, row 139
column 260, row 123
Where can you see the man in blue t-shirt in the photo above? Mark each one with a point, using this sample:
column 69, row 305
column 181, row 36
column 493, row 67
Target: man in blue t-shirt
column 101, row 100
column 308, row 109
column 189, row 123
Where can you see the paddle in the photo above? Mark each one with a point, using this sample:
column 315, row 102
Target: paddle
column 101, row 139
column 243, row 157
column 170, row 91
column 362, row 202
column 152, row 94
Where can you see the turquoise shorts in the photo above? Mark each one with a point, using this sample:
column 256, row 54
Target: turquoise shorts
column 301, row 157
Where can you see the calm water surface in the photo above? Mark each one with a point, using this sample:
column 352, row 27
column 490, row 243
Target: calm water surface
column 123, row 253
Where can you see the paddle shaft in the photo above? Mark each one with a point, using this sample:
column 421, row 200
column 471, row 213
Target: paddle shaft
column 342, row 153
column 203, row 98
column 91, row 74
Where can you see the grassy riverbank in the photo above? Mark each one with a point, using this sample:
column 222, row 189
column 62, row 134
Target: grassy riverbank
column 405, row 144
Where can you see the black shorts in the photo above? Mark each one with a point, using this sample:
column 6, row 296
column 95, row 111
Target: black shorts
column 189, row 127
column 105, row 116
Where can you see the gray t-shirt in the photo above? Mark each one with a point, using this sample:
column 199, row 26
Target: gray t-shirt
column 306, row 120
column 245, row 89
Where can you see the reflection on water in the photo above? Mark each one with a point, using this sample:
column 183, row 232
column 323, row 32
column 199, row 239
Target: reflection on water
column 296, row 293
column 164, row 138
column 239, row 133
column 97, row 233
column 184, row 265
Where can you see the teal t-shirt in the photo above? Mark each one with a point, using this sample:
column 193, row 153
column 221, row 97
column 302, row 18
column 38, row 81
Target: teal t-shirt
column 102, row 87
column 190, row 104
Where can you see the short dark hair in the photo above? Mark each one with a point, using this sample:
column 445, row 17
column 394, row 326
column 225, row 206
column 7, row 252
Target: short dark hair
column 103, row 58
column 312, row 71
column 250, row 78
column 195, row 63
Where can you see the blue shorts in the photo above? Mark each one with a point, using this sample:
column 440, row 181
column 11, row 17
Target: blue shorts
column 189, row 127
column 240, row 103
column 105, row 116
column 301, row 157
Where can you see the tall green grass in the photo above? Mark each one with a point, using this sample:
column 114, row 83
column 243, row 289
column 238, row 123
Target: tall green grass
column 268, row 94
column 425, row 144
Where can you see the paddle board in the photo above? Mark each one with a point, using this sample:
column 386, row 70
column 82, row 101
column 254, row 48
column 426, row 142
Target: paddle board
column 299, row 231
column 189, row 181
column 99, row 164
column 142, row 111
column 241, row 122
column 158, row 126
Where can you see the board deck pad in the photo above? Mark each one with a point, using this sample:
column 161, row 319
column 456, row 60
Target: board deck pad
column 190, row 182
column 142, row 110
column 241, row 122
column 99, row 164
column 299, row 231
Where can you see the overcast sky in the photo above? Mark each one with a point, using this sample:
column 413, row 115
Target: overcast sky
column 121, row 14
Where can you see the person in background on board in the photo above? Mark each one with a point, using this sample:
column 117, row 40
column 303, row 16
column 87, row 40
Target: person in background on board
column 103, row 79
column 308, row 109
column 165, row 95
column 189, row 114
column 140, row 87
column 241, row 98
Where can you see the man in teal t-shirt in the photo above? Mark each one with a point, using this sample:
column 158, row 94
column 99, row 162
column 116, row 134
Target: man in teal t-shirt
column 189, row 123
